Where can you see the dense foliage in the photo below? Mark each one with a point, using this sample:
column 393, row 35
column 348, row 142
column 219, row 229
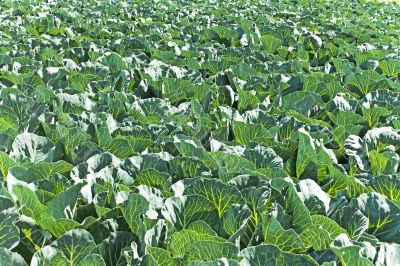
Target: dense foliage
column 199, row 133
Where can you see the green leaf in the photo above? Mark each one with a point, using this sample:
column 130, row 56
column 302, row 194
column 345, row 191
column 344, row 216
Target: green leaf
column 351, row 255
column 263, row 157
column 221, row 195
column 75, row 246
column 184, row 210
column 345, row 118
column 9, row 235
column 110, row 249
column 154, row 178
column 293, row 205
column 9, row 232
column 233, row 163
column 92, row 260
column 8, row 119
column 383, row 163
column 382, row 216
column 29, row 202
column 28, row 147
column 247, row 101
column 43, row 170
column 270, row 43
column 57, row 227
column 184, row 239
column 49, row 256
column 71, row 136
column 247, row 132
column 311, row 152
column 63, row 205
column 161, row 256
column 125, row 146
column 388, row 185
column 235, row 218
column 302, row 101
column 372, row 116
column 390, row 67
column 114, row 62
column 353, row 220
column 11, row 258
column 365, row 83
column 313, row 42
column 329, row 225
column 272, row 255
column 274, row 233
column 132, row 209
column 315, row 237
column 341, row 181
column 209, row 250
column 5, row 163
column 314, row 198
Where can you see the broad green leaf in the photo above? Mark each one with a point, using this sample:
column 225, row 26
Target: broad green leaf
column 270, row 43
column 184, row 239
column 154, row 178
column 351, row 255
column 388, row 185
column 9, row 235
column 75, row 246
column 274, row 233
column 132, row 208
column 301, row 101
column 11, row 258
column 235, row 218
column 111, row 247
column 114, row 62
column 123, row 147
column 272, row 255
column 341, row 181
column 43, row 170
column 63, row 205
column 329, row 225
column 312, row 154
column 247, row 101
column 92, row 260
column 233, row 163
column 49, row 256
column 352, row 220
column 345, row 118
column 161, row 256
column 313, row 42
column 390, row 67
column 209, row 250
column 221, row 195
column 263, row 157
column 57, row 227
column 386, row 162
column 9, row 232
column 314, row 198
column 372, row 116
column 29, row 202
column 249, row 132
column 365, row 83
column 184, row 210
column 5, row 163
column 382, row 216
column 293, row 205
column 315, row 237
column 28, row 147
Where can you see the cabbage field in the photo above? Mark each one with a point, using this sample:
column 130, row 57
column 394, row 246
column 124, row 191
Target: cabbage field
column 201, row 132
